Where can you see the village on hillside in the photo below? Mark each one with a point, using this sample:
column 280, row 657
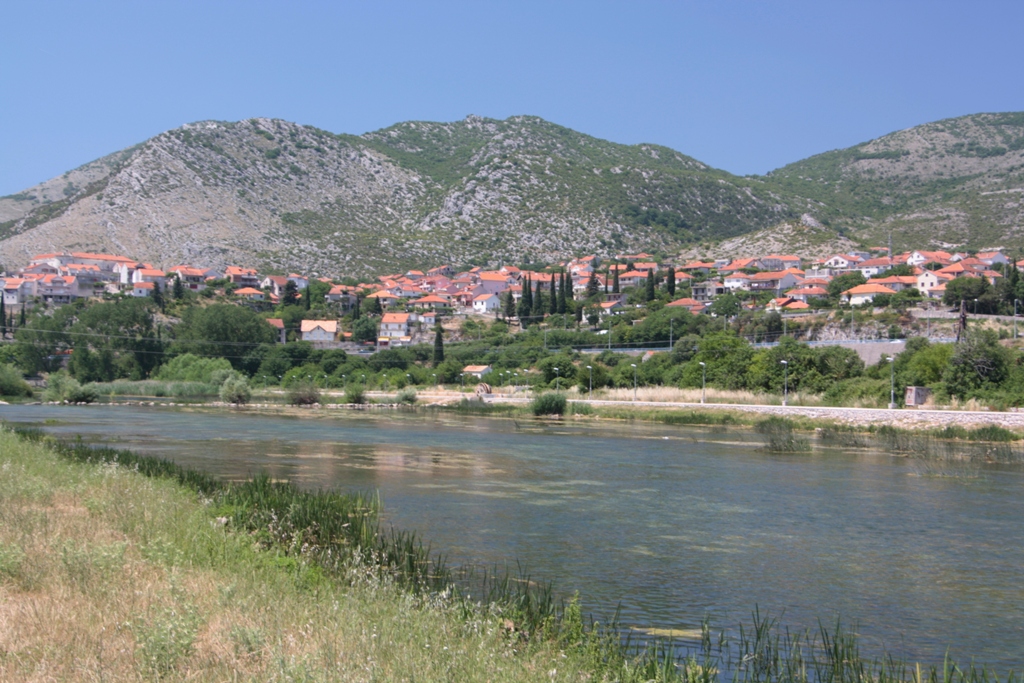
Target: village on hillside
column 410, row 303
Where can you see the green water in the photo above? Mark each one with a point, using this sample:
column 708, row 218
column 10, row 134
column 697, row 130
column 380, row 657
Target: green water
column 669, row 523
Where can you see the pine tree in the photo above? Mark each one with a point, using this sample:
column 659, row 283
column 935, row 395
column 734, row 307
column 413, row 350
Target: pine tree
column 649, row 284
column 592, row 285
column 179, row 288
column 553, row 303
column 670, row 281
column 438, row 346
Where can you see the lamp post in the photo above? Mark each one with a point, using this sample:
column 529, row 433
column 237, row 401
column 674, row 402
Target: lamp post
column 408, row 378
column 590, row 392
column 462, row 376
column 703, row 379
column 975, row 307
column 435, row 379
column 557, row 378
column 892, row 382
column 634, row 381
column 785, row 382
column 344, row 383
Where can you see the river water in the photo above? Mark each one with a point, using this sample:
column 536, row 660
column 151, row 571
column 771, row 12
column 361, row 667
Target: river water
column 670, row 523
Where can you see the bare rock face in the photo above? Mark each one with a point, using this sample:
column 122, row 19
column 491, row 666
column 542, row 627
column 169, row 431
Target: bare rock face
column 282, row 196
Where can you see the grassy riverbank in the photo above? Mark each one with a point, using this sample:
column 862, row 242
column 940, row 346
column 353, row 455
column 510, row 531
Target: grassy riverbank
column 119, row 567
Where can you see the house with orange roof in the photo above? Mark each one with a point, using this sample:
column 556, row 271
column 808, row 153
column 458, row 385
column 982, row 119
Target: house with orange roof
column 990, row 258
column 396, row 326
column 141, row 289
column 250, row 293
column 864, row 294
column 278, row 324
column 321, row 333
column 688, row 303
column 736, row 280
column 495, row 282
column 477, row 371
column 804, row 293
column 786, row 303
column 191, row 278
column 245, row 277
column 386, row 298
column 18, row 291
column 739, row 264
column 922, row 258
column 487, row 302
column 896, row 283
column 873, row 266
column 431, row 302
column 443, row 271
column 929, row 279
column 773, row 281
column 697, row 267
column 611, row 307
column 841, row 262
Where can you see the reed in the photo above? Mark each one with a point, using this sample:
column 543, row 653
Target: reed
column 779, row 436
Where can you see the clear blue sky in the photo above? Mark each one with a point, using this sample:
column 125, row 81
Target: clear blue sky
column 744, row 86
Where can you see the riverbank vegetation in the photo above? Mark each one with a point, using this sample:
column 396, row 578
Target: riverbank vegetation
column 192, row 346
column 120, row 567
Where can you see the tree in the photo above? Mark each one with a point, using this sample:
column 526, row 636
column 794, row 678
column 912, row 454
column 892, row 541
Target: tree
column 222, row 331
column 115, row 340
column 968, row 289
column 3, row 317
column 290, row 296
column 725, row 305
column 179, row 288
column 526, row 301
column 562, row 303
column 438, row 346
column 375, row 307
column 592, row 287
column 670, row 281
column 978, row 362
column 158, row 296
column 615, row 282
column 538, row 303
column 553, row 302
column 364, row 330
column 509, row 304
column 307, row 299
column 649, row 286
column 841, row 283
column 355, row 310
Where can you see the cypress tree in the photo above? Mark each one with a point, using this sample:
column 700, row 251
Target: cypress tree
column 579, row 313
column 525, row 301
column 306, row 298
column 592, row 285
column 562, row 298
column 355, row 310
column 670, row 281
column 615, row 283
column 438, row 346
column 553, row 303
column 3, row 316
column 649, row 285
column 179, row 288
column 158, row 295
column 21, row 320
column 509, row 308
column 538, row 303
column 375, row 307
column 607, row 277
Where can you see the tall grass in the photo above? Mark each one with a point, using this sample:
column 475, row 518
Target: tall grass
column 157, row 389
column 779, row 436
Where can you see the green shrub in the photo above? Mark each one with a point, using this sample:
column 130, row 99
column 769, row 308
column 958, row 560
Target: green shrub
column 61, row 386
column 235, row 390
column 355, row 394
column 778, row 436
column 548, row 404
column 407, row 395
column 191, row 368
column 303, row 394
column 11, row 382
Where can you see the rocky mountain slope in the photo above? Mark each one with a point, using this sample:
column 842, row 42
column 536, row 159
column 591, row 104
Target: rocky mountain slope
column 953, row 183
column 283, row 196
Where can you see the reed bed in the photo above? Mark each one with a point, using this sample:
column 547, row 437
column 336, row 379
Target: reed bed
column 676, row 395
column 156, row 389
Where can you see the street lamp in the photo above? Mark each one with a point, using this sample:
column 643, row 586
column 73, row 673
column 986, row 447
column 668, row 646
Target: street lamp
column 557, row 378
column 462, row 376
column 634, row 381
column 892, row 382
column 590, row 393
column 435, row 379
column 703, row 379
column 975, row 307
column 785, row 382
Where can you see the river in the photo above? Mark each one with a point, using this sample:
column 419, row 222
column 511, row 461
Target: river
column 670, row 523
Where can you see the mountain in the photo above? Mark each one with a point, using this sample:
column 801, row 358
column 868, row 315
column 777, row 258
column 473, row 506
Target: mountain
column 953, row 183
column 282, row 196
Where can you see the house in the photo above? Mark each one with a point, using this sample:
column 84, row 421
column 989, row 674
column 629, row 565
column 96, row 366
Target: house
column 774, row 281
column 921, row 258
column 250, row 293
column 786, row 303
column 693, row 305
column 477, row 371
column 428, row 318
column 140, row 289
column 896, row 283
column 737, row 280
column 873, row 266
column 865, row 294
column 278, row 324
column 320, row 332
column 396, row 325
column 386, row 299
column 706, row 291
column 697, row 267
column 246, row 277
column 779, row 261
column 191, row 278
column 18, row 291
column 486, row 303
column 610, row 308
column 275, row 283
column 633, row 278
column 991, row 258
column 442, row 271
column 739, row 264
column 431, row 302
column 56, row 289
column 495, row 282
column 805, row 293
